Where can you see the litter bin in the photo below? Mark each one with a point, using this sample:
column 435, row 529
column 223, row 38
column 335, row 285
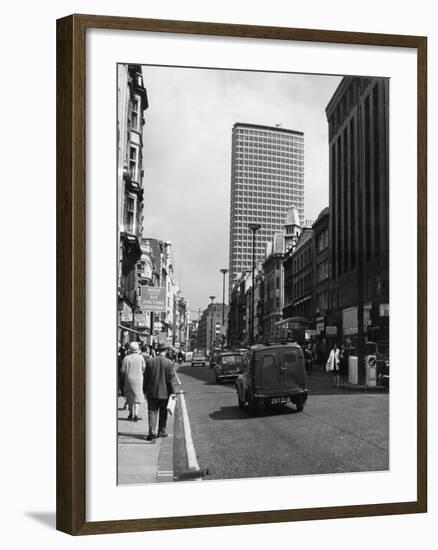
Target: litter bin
column 353, row 377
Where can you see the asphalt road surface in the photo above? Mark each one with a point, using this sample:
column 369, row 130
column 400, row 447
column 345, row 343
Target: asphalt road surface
column 338, row 431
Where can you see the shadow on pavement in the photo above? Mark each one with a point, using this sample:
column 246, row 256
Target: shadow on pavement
column 319, row 382
column 131, row 435
column 234, row 413
column 204, row 374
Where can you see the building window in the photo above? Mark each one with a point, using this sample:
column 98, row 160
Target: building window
column 135, row 113
column 378, row 285
column 131, row 208
column 369, row 287
column 134, row 160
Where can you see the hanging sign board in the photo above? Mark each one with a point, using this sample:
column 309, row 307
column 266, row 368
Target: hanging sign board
column 153, row 298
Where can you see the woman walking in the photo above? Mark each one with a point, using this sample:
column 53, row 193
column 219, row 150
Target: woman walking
column 343, row 363
column 333, row 364
column 132, row 370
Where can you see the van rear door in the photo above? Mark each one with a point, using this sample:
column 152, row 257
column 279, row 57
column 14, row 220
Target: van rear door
column 269, row 371
column 292, row 369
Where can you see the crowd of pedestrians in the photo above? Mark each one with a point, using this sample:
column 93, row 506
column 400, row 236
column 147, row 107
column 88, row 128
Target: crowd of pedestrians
column 336, row 362
column 147, row 374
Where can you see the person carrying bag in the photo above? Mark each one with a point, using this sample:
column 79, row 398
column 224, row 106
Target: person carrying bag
column 159, row 384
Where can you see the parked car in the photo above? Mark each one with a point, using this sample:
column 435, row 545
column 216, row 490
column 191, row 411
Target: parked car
column 274, row 375
column 228, row 366
column 199, row 358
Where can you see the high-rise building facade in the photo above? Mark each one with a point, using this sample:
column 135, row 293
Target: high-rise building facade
column 267, row 176
column 358, row 117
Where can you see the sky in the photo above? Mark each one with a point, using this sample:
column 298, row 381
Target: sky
column 187, row 158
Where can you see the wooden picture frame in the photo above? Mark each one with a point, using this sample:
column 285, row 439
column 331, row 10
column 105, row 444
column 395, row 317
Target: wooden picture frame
column 71, row 273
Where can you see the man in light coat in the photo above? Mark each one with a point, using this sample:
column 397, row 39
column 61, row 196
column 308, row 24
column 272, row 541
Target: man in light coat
column 159, row 384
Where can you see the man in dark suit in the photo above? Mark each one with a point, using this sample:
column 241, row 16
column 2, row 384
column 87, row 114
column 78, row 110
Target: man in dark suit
column 159, row 383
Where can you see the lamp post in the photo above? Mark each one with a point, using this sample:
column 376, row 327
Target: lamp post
column 211, row 330
column 224, row 272
column 254, row 227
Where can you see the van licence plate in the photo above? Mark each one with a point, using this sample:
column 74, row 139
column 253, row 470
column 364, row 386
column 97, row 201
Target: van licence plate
column 279, row 400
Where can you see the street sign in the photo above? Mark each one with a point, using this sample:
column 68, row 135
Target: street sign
column 153, row 298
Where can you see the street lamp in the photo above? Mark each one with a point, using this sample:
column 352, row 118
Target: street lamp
column 224, row 272
column 211, row 332
column 254, row 227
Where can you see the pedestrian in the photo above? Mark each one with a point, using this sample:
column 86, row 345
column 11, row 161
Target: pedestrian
column 145, row 353
column 133, row 368
column 308, row 359
column 126, row 351
column 332, row 364
column 344, row 354
column 120, row 356
column 159, row 384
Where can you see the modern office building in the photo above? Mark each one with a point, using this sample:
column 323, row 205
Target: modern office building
column 267, row 176
column 358, row 117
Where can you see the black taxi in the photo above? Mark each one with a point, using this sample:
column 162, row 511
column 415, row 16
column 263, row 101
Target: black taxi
column 274, row 375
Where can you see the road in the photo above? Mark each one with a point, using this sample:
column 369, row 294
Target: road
column 338, row 431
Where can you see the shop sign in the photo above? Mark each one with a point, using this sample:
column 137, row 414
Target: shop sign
column 331, row 331
column 126, row 313
column 153, row 298
column 141, row 319
column 384, row 310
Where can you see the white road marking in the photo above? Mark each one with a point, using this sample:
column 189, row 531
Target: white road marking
column 191, row 454
column 177, row 378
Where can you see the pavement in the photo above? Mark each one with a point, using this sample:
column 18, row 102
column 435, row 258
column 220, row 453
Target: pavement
column 168, row 459
column 140, row 461
column 321, row 381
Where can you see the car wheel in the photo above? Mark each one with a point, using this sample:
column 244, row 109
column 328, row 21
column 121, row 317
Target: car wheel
column 241, row 403
column 253, row 407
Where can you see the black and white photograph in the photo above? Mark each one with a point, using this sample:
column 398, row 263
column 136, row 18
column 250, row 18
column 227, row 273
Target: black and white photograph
column 253, row 274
